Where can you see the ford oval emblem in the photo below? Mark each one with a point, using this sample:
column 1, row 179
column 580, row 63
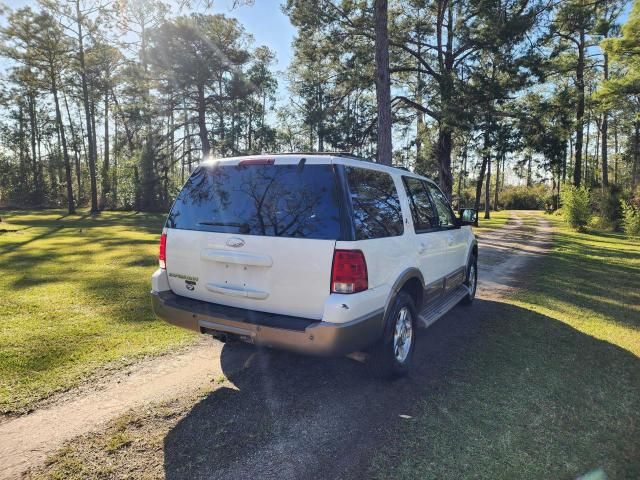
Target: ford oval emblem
column 235, row 242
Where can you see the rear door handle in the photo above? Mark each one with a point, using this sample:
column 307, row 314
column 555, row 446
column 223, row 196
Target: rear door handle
column 422, row 248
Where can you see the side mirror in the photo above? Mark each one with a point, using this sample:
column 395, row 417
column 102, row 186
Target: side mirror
column 469, row 216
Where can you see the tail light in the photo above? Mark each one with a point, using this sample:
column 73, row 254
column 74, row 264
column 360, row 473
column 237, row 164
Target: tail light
column 162, row 257
column 349, row 272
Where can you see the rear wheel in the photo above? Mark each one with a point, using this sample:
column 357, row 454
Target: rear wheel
column 472, row 280
column 391, row 356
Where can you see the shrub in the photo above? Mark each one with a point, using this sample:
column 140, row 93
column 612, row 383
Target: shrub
column 631, row 217
column 576, row 206
column 524, row 198
column 598, row 222
column 467, row 198
column 606, row 203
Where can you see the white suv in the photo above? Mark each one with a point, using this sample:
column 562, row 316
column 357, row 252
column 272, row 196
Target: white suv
column 316, row 253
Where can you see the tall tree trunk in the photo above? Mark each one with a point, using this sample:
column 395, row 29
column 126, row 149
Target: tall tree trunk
column 76, row 152
column 571, row 162
column 106, row 180
column 65, row 153
column 40, row 165
column 321, row 130
column 636, row 155
column 463, row 170
column 202, row 123
column 127, row 131
column 53, row 178
column 597, row 156
column 172, row 153
column 87, row 113
column 24, row 187
column 187, row 140
column 465, row 158
column 94, row 131
column 497, row 190
column 585, row 175
column 556, row 197
column 577, row 170
column 137, row 199
column 443, row 149
column 487, row 191
column 83, row 136
column 605, row 132
column 383, row 83
column 483, row 168
column 564, row 162
column 250, row 132
column 33, row 130
column 114, row 183
column 419, row 128
column 184, row 141
column 264, row 112
column 221, row 133
column 529, row 169
column 419, row 87
column 615, row 152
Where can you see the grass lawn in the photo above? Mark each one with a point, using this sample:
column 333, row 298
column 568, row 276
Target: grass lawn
column 549, row 385
column 74, row 297
column 498, row 219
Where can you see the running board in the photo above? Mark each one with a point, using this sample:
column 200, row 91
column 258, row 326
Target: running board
column 440, row 307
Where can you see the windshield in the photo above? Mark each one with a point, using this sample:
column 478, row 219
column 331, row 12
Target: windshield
column 269, row 200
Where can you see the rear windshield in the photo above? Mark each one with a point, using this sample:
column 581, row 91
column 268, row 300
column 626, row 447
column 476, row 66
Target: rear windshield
column 269, row 200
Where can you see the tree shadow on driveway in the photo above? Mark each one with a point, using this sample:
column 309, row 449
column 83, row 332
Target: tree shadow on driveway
column 480, row 375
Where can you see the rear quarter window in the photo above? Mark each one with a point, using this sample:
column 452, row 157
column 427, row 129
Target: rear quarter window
column 376, row 205
column 422, row 211
column 298, row 201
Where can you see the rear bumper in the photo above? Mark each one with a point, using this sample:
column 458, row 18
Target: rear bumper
column 278, row 331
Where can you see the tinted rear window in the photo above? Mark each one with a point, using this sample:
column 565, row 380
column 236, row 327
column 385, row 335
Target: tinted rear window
column 420, row 203
column 376, row 206
column 268, row 200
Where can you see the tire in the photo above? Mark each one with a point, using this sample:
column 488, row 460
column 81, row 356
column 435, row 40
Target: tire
column 391, row 356
column 471, row 281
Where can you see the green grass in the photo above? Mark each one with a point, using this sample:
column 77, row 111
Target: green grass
column 74, row 297
column 548, row 382
column 498, row 219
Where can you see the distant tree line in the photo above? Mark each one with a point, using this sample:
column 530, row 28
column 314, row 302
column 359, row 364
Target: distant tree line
column 112, row 105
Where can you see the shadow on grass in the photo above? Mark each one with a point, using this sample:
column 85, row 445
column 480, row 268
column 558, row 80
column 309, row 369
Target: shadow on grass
column 15, row 246
column 147, row 223
column 57, row 219
column 605, row 280
column 67, row 260
column 496, row 391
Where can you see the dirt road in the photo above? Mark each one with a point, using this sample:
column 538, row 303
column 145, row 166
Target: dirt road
column 287, row 416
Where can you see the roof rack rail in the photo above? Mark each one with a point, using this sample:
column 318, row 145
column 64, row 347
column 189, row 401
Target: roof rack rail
column 330, row 153
column 345, row 155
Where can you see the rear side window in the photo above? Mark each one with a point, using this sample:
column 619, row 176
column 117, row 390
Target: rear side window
column 376, row 206
column 422, row 211
column 268, row 200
